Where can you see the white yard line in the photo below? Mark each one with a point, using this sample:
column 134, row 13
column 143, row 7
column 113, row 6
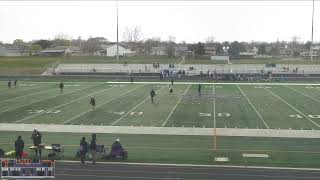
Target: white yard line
column 214, row 107
column 101, row 105
column 275, row 95
column 21, row 120
column 306, row 95
column 133, row 109
column 264, row 122
column 46, row 99
column 28, row 95
column 175, row 106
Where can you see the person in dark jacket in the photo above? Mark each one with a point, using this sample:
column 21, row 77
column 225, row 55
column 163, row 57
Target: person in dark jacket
column 199, row 90
column 19, row 145
column 36, row 137
column 116, row 146
column 152, row 94
column 93, row 147
column 83, row 149
column 15, row 83
column 9, row 84
column 61, row 85
column 93, row 103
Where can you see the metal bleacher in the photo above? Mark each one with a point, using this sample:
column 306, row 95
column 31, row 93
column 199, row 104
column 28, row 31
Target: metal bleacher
column 197, row 68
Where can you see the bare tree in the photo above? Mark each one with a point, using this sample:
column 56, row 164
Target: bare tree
column 22, row 46
column 170, row 45
column 151, row 42
column 132, row 36
column 62, row 40
column 210, row 40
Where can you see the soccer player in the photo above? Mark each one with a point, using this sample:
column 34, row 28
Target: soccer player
column 152, row 94
column 131, row 79
column 93, row 103
column 199, row 90
column 171, row 81
column 61, row 85
column 15, row 83
column 9, row 84
column 171, row 90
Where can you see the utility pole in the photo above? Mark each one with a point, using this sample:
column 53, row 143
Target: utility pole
column 117, row 35
column 311, row 50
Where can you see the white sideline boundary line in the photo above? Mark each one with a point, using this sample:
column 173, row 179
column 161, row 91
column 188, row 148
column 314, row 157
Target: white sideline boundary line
column 217, row 83
column 275, row 95
column 196, row 165
column 234, row 132
column 253, row 107
column 10, row 99
column 306, row 95
column 164, row 82
column 102, row 104
column 133, row 108
column 46, row 99
column 175, row 106
column 65, row 104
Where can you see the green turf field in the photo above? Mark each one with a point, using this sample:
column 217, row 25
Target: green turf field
column 253, row 106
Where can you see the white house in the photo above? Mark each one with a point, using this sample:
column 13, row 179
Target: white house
column 111, row 50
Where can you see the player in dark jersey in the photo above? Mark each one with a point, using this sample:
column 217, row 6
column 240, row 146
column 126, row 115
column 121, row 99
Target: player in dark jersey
column 131, row 79
column 61, row 85
column 15, row 83
column 199, row 90
column 93, row 103
column 171, row 81
column 171, row 90
column 152, row 94
column 9, row 84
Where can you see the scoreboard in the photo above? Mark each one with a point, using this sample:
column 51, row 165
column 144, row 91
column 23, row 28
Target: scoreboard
column 27, row 169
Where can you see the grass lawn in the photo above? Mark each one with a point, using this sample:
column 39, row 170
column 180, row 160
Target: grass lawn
column 190, row 149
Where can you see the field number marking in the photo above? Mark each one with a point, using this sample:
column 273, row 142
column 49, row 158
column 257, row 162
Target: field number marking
column 44, row 111
column 314, row 116
column 204, row 114
column 224, row 114
column 119, row 113
column 136, row 113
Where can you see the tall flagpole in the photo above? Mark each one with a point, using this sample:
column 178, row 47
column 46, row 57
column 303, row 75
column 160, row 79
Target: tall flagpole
column 117, row 35
column 311, row 50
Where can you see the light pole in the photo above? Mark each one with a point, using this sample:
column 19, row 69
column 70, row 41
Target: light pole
column 117, row 35
column 311, row 50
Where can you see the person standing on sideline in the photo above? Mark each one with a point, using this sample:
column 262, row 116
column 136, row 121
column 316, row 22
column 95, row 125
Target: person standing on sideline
column 36, row 137
column 93, row 103
column 93, row 147
column 83, row 149
column 18, row 146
